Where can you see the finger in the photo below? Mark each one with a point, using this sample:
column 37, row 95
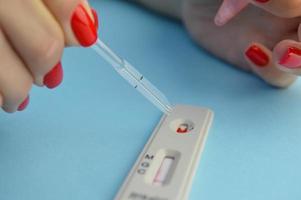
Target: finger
column 77, row 20
column 228, row 10
column 261, row 62
column 287, row 55
column 1, row 100
column 280, row 8
column 36, row 37
column 15, row 79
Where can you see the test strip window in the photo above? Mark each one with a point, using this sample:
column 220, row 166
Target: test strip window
column 164, row 171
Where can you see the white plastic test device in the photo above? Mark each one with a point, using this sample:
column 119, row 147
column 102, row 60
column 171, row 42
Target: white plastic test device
column 166, row 167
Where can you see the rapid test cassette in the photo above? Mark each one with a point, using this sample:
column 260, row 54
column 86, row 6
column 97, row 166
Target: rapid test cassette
column 166, row 167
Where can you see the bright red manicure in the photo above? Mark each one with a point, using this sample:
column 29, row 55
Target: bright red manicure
column 291, row 58
column 262, row 1
column 83, row 27
column 24, row 104
column 55, row 77
column 257, row 56
column 95, row 15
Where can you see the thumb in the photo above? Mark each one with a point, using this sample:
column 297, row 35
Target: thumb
column 78, row 21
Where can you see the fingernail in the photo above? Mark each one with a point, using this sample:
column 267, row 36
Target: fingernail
column 291, row 58
column 55, row 77
column 257, row 56
column 95, row 15
column 262, row 1
column 83, row 27
column 24, row 104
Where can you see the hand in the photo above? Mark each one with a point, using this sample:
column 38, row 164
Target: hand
column 280, row 8
column 287, row 53
column 33, row 35
column 248, row 40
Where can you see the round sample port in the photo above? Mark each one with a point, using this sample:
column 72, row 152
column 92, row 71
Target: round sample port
column 181, row 126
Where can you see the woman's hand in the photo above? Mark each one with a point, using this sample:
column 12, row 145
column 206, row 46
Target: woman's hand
column 280, row 8
column 33, row 35
column 287, row 53
column 256, row 40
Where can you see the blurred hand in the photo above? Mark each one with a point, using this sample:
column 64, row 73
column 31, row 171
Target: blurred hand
column 33, row 35
column 280, row 8
column 264, row 41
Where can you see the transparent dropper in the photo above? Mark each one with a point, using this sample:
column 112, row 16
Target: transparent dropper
column 133, row 77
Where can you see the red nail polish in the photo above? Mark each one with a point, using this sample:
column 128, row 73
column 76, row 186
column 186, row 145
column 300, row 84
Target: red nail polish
column 95, row 15
column 55, row 77
column 291, row 58
column 262, row 1
column 83, row 27
column 24, row 104
column 257, row 56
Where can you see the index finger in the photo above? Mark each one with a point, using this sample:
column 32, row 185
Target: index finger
column 228, row 10
column 280, row 8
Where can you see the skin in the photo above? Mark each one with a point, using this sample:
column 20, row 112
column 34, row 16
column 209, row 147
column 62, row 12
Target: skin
column 272, row 26
column 239, row 34
column 33, row 35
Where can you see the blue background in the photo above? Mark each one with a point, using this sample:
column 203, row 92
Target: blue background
column 79, row 141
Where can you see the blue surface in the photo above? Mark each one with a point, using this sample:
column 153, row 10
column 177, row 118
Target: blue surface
column 79, row 141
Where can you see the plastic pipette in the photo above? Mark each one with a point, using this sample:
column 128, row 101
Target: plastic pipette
column 133, row 77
